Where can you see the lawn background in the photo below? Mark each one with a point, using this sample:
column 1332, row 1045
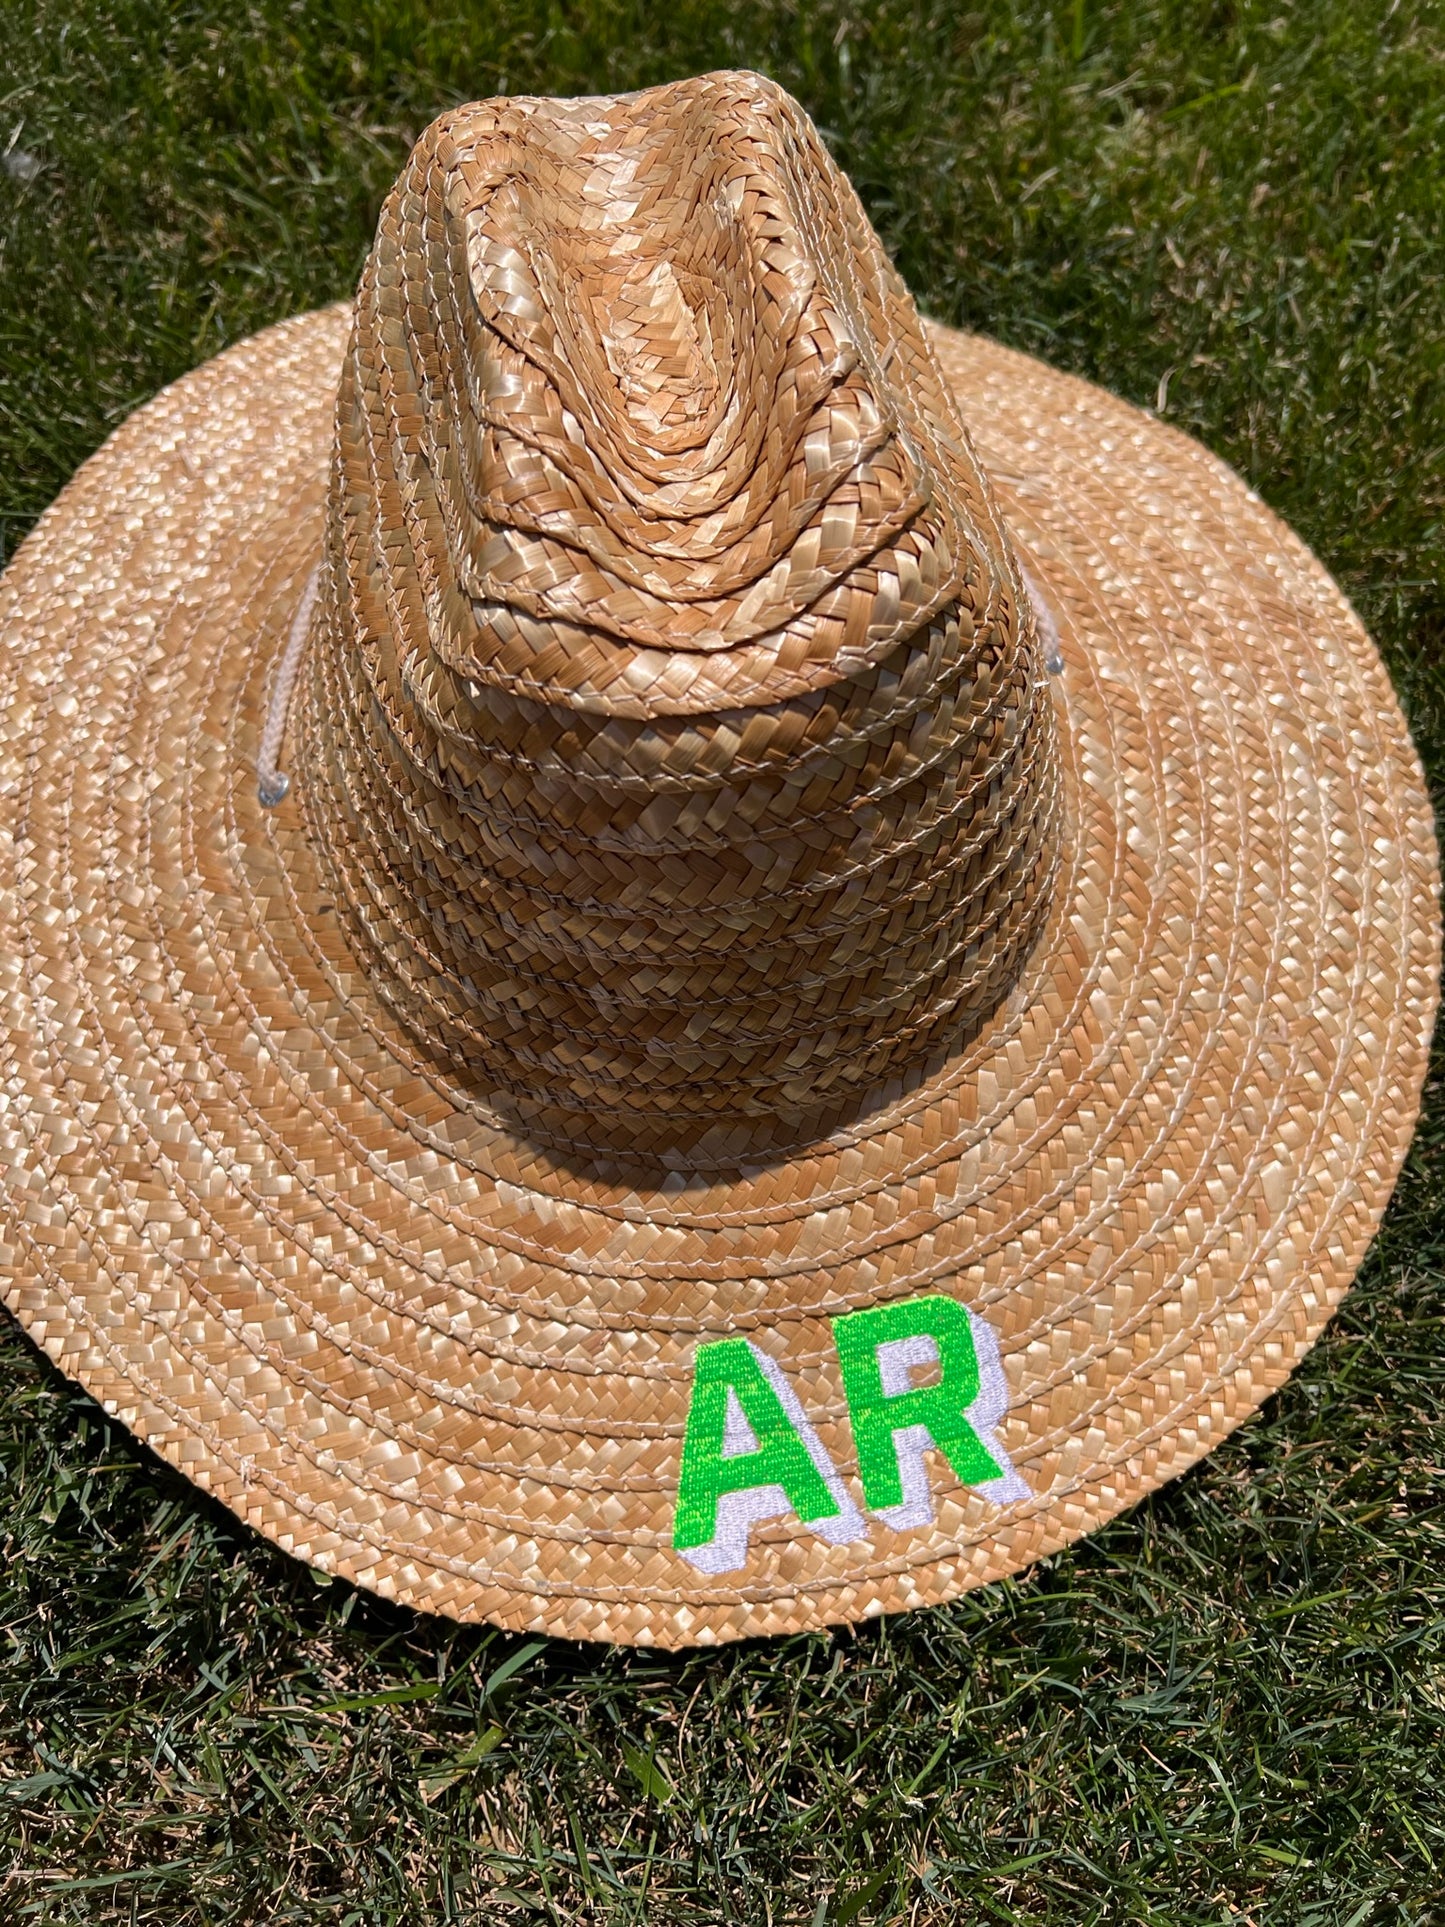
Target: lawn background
column 1228, row 1705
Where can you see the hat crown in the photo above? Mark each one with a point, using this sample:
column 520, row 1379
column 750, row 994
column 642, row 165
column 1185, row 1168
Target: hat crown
column 673, row 729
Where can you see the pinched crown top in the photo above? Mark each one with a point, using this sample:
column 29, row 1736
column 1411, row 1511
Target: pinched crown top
column 672, row 731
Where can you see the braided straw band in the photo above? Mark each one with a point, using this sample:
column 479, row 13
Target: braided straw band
column 672, row 730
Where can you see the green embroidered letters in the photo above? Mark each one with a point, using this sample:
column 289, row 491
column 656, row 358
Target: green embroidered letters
column 750, row 1453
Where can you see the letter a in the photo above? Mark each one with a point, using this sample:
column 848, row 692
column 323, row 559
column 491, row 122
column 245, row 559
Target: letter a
column 749, row 1453
column 895, row 1421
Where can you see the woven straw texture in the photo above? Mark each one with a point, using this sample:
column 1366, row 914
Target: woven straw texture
column 697, row 909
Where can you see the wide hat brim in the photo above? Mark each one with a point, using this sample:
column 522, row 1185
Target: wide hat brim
column 330, row 1283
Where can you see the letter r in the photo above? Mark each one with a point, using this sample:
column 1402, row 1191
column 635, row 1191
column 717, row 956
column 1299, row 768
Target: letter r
column 896, row 1422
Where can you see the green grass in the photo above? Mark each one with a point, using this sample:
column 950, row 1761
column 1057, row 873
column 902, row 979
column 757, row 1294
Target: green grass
column 1228, row 1706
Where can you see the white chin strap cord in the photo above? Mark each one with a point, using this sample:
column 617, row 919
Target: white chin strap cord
column 1045, row 619
column 272, row 782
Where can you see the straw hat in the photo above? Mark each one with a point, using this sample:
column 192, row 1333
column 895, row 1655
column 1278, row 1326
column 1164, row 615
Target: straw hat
column 649, row 991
